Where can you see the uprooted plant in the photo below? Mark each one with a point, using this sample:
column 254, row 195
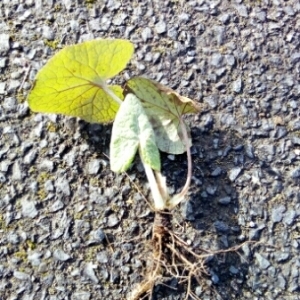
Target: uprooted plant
column 150, row 118
column 74, row 82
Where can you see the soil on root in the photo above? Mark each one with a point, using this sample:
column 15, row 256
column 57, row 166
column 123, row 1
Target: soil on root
column 171, row 258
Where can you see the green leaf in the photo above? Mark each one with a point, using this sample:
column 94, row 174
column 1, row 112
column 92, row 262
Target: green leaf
column 132, row 131
column 73, row 82
column 164, row 108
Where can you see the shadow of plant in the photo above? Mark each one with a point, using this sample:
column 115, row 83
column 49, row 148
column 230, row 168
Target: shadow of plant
column 212, row 210
column 208, row 220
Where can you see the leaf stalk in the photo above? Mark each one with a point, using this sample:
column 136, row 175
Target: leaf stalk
column 159, row 201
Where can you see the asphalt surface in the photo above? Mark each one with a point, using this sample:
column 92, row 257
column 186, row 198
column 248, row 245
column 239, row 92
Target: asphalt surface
column 72, row 229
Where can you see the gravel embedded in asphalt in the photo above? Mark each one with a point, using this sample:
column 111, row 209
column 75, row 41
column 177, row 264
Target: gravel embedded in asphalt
column 71, row 228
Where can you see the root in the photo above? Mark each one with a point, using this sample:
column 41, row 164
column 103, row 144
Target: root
column 172, row 258
column 154, row 273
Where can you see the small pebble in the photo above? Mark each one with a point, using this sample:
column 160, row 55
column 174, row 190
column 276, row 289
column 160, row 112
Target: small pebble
column 233, row 270
column 216, row 59
column 112, row 220
column 224, row 200
column 295, row 173
column 48, row 33
column 234, row 173
column 277, row 213
column 94, row 167
column 60, row 255
column 56, row 206
column 62, row 185
column 211, row 190
column 114, row 276
column 4, row 43
column 90, row 273
column 21, row 275
column 221, row 226
column 289, row 217
column 102, row 257
column 216, row 172
column 215, row 278
column 146, row 34
column 262, row 261
column 97, row 236
column 161, row 27
column 237, row 85
column 28, row 208
column 242, row 10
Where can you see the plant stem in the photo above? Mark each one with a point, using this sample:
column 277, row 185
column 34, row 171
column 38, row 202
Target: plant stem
column 108, row 91
column 189, row 159
column 162, row 186
column 180, row 197
column 159, row 202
